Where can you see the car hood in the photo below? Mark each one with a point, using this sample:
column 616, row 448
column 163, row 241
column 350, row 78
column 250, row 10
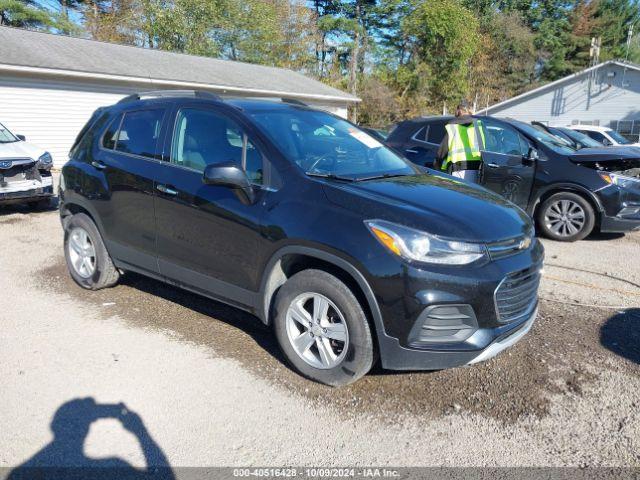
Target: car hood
column 438, row 204
column 608, row 158
column 20, row 150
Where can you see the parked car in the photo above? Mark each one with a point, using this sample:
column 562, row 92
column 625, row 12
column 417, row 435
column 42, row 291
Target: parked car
column 606, row 136
column 574, row 138
column 418, row 139
column 25, row 171
column 376, row 133
column 350, row 251
column 568, row 192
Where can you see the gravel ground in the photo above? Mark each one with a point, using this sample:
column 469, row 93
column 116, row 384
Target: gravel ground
column 211, row 387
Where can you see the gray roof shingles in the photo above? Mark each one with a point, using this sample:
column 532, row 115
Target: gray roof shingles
column 43, row 50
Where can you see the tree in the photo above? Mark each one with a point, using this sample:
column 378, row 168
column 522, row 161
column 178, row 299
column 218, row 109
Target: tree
column 23, row 14
column 446, row 37
column 614, row 18
column 505, row 63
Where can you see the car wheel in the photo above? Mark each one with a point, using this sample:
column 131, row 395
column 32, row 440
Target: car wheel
column 322, row 329
column 87, row 258
column 566, row 217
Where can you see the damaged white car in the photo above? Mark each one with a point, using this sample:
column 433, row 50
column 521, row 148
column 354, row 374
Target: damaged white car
column 25, row 171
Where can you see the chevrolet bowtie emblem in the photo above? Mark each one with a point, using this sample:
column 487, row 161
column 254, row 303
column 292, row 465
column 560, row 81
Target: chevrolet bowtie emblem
column 524, row 243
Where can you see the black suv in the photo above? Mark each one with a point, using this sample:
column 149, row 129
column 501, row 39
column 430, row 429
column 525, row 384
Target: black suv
column 299, row 217
column 568, row 191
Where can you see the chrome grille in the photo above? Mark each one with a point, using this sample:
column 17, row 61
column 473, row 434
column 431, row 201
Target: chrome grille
column 511, row 246
column 517, row 294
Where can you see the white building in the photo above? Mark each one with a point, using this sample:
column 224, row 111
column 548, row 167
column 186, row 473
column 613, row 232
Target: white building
column 607, row 95
column 50, row 84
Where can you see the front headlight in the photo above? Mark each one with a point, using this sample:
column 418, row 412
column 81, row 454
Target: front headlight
column 45, row 158
column 620, row 180
column 414, row 245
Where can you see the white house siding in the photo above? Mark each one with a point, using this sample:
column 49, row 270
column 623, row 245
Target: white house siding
column 570, row 101
column 50, row 113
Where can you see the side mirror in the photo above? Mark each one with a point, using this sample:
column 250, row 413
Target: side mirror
column 606, row 142
column 21, row 137
column 532, row 155
column 229, row 175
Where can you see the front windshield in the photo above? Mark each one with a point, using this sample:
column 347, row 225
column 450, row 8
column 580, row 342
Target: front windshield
column 618, row 138
column 6, row 136
column 554, row 143
column 324, row 145
column 585, row 141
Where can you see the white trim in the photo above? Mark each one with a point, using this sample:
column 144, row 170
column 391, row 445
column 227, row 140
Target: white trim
column 497, row 347
column 170, row 83
column 556, row 82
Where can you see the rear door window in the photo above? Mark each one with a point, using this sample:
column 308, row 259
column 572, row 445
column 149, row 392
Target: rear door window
column 431, row 133
column 436, row 133
column 139, row 133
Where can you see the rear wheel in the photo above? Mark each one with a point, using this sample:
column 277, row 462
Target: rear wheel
column 87, row 258
column 322, row 329
column 566, row 217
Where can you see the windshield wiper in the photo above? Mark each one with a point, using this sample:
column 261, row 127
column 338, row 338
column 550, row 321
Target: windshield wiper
column 330, row 176
column 384, row 175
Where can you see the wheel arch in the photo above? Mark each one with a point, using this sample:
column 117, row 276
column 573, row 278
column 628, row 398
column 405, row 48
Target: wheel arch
column 73, row 207
column 571, row 188
column 292, row 259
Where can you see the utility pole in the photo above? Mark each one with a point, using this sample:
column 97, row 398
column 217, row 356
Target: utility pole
column 594, row 55
column 626, row 55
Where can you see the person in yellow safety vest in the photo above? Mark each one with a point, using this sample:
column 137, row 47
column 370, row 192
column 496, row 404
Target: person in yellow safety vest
column 459, row 152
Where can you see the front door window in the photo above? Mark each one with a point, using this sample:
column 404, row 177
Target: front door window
column 203, row 137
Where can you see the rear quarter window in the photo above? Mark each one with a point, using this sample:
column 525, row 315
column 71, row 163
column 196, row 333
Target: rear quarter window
column 109, row 137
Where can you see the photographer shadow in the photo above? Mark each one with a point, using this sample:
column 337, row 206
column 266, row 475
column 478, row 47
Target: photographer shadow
column 64, row 456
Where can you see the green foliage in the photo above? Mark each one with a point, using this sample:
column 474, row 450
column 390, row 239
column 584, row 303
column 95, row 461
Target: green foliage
column 24, row 14
column 446, row 37
column 402, row 57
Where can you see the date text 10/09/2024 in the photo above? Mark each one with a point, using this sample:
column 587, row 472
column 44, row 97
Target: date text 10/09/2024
column 370, row 472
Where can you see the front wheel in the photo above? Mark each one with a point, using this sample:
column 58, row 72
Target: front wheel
column 322, row 329
column 566, row 217
column 87, row 258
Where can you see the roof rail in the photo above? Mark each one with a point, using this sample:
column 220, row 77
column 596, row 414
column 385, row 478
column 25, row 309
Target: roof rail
column 293, row 101
column 171, row 93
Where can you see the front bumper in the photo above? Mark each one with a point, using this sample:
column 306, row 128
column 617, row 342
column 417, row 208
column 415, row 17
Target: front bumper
column 621, row 211
column 626, row 220
column 23, row 190
column 397, row 357
column 403, row 306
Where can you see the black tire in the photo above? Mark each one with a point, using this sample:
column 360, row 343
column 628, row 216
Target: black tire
column 105, row 273
column 547, row 209
column 359, row 356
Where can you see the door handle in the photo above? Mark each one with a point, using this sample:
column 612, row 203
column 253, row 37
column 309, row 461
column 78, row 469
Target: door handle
column 98, row 164
column 167, row 190
column 411, row 150
column 492, row 165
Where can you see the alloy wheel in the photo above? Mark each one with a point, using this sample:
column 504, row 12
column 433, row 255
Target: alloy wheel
column 82, row 253
column 565, row 218
column 317, row 330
